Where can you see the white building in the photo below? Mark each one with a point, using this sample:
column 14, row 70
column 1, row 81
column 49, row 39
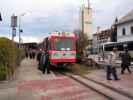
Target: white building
column 125, row 28
column 101, row 38
column 124, row 34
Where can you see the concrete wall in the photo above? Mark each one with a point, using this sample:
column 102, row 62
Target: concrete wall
column 87, row 21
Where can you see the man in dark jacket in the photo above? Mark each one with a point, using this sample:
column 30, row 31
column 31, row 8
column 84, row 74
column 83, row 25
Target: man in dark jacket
column 126, row 61
column 39, row 59
column 39, row 55
column 46, row 63
column 26, row 53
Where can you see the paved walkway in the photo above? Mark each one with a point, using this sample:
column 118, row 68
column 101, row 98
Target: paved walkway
column 31, row 84
column 36, row 86
column 125, row 83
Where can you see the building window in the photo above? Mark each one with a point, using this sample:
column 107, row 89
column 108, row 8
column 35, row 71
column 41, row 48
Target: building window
column 123, row 31
column 131, row 29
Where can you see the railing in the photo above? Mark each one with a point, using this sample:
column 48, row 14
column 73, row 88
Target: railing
column 89, row 62
column 99, row 64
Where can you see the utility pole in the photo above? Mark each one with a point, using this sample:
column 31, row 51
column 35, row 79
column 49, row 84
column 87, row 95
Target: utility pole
column 20, row 30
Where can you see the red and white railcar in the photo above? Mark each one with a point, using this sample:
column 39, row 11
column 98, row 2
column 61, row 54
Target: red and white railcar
column 61, row 47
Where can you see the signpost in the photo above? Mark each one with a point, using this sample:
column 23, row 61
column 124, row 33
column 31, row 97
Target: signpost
column 13, row 25
column 13, row 21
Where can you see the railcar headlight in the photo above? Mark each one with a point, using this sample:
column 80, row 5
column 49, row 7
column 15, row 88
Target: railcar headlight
column 68, row 49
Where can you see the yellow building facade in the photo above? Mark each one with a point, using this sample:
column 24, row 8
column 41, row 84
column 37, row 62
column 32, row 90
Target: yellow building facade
column 86, row 21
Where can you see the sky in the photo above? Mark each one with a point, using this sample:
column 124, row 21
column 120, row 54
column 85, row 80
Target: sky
column 44, row 16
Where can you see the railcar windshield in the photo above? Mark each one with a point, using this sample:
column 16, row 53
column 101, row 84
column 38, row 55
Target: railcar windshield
column 64, row 44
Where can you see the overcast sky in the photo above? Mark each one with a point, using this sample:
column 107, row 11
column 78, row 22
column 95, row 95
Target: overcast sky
column 44, row 16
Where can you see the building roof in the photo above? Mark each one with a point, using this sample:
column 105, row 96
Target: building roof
column 126, row 18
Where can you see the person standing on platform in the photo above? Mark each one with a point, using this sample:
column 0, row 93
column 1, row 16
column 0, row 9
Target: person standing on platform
column 111, row 67
column 26, row 53
column 126, row 61
column 39, row 55
column 33, row 53
column 30, row 54
column 46, row 63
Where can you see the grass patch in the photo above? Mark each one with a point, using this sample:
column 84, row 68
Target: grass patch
column 81, row 69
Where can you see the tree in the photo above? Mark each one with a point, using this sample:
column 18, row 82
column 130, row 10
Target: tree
column 82, row 42
column 9, row 54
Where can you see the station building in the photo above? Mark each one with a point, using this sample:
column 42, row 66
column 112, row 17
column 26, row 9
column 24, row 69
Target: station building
column 120, row 35
column 125, row 29
column 124, row 33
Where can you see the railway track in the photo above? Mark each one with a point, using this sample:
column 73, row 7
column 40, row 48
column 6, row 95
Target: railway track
column 104, row 90
column 110, row 87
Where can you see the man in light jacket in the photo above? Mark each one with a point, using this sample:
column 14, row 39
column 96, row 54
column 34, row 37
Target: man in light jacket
column 111, row 67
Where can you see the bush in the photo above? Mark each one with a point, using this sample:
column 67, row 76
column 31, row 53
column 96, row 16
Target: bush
column 9, row 54
column 20, row 56
column 3, row 72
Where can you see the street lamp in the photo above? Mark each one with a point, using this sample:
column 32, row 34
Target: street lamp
column 98, row 44
column 19, row 27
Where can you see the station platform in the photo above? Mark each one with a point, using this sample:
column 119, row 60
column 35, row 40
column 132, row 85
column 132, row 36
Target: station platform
column 124, row 85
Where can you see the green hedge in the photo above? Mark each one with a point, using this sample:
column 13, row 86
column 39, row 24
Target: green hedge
column 3, row 72
column 10, row 57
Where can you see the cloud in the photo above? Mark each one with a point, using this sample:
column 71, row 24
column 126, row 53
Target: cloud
column 105, row 11
column 42, row 15
column 45, row 16
column 28, row 39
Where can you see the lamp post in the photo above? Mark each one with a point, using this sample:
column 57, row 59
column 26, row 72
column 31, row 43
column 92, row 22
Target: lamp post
column 98, row 44
column 19, row 27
